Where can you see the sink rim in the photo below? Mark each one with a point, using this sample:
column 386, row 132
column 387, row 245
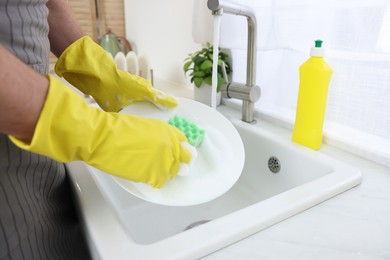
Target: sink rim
column 99, row 218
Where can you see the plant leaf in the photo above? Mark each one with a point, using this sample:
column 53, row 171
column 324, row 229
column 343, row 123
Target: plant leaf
column 206, row 65
column 198, row 60
column 198, row 81
column 199, row 74
column 208, row 80
column 187, row 65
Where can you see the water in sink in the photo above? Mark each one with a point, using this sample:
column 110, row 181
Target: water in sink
column 271, row 168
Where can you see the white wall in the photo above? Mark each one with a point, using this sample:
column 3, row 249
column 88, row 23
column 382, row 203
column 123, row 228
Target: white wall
column 163, row 30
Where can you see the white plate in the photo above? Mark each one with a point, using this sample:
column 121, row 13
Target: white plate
column 144, row 66
column 132, row 63
column 216, row 169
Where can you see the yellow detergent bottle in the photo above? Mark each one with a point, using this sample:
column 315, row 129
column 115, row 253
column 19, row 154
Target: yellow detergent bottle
column 314, row 75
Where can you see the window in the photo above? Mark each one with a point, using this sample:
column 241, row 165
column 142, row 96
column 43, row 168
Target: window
column 356, row 37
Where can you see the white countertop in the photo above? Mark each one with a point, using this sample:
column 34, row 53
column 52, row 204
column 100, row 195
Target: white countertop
column 352, row 225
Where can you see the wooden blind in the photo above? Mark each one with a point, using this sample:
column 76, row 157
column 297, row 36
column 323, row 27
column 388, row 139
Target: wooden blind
column 85, row 13
column 110, row 16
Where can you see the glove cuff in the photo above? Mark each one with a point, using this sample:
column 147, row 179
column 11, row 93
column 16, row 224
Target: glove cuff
column 63, row 111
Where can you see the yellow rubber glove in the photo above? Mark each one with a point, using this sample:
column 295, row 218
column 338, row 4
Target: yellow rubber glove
column 88, row 67
column 131, row 147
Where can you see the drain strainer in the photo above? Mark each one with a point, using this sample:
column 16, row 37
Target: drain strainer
column 274, row 164
column 195, row 224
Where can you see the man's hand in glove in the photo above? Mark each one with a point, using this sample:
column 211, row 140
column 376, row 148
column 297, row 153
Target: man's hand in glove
column 88, row 67
column 134, row 148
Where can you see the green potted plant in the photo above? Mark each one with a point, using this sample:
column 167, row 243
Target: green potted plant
column 199, row 66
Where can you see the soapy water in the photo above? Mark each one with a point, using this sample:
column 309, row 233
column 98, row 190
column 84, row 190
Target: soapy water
column 209, row 157
column 185, row 167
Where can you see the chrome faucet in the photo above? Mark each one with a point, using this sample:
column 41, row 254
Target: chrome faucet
column 250, row 92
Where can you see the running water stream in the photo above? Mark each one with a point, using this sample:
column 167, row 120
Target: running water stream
column 217, row 25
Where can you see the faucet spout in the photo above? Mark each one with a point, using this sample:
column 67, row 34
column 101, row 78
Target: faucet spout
column 237, row 90
column 219, row 6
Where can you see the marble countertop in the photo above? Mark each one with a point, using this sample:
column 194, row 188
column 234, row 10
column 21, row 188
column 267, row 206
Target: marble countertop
column 353, row 225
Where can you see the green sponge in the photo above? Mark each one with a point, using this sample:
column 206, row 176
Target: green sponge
column 193, row 133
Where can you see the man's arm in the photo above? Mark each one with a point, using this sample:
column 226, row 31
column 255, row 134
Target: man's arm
column 22, row 95
column 64, row 28
column 22, row 90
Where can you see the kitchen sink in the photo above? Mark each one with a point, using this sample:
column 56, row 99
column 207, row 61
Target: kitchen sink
column 279, row 179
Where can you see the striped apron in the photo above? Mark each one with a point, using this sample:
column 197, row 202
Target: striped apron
column 38, row 217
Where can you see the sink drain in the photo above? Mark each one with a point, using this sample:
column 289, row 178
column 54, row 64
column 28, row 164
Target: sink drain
column 274, row 164
column 195, row 224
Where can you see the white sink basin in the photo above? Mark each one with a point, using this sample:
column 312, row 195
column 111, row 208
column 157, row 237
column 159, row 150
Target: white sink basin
column 120, row 225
